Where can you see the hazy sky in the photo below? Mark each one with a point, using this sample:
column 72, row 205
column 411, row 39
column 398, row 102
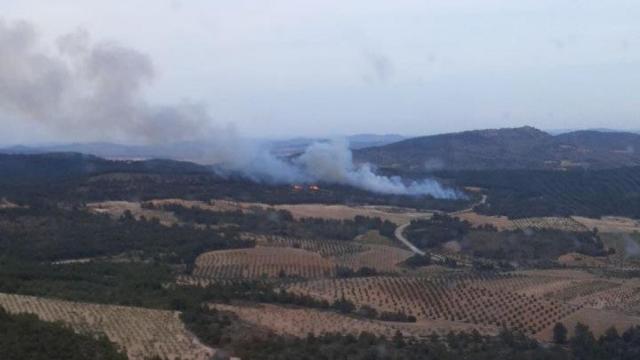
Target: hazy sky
column 281, row 68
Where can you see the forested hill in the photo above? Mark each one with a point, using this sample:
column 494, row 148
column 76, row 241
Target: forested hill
column 512, row 148
column 40, row 168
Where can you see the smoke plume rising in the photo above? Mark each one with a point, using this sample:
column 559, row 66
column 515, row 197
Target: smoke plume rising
column 86, row 90
column 328, row 162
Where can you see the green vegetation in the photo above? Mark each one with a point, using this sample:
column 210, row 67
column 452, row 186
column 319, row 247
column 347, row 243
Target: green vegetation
column 26, row 337
column 417, row 261
column 52, row 233
column 75, row 179
column 281, row 222
column 521, row 245
column 431, row 233
column 512, row 245
column 531, row 193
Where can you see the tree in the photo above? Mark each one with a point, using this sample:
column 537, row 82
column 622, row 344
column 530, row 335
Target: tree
column 559, row 334
column 583, row 342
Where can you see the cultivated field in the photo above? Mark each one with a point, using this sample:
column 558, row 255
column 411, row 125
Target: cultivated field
column 500, row 222
column 610, row 224
column 299, row 322
column 581, row 260
column 339, row 212
column 379, row 257
column 443, row 299
column 326, row 248
column 574, row 223
column 556, row 223
column 262, row 262
column 144, row 333
column 597, row 320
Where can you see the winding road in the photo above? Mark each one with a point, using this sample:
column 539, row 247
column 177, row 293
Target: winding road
column 399, row 233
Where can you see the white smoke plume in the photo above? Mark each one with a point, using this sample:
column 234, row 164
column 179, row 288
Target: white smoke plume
column 329, row 162
column 86, row 89
column 90, row 90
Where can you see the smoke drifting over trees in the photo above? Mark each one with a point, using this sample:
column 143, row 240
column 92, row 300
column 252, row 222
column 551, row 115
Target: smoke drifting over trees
column 83, row 89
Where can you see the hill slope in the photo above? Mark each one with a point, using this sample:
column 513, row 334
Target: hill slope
column 513, row 148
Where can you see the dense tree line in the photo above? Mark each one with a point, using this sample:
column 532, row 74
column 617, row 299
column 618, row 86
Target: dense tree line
column 531, row 193
column 52, row 233
column 26, row 337
column 487, row 242
column 77, row 178
column 215, row 328
column 281, row 222
column 148, row 285
column 537, row 245
column 433, row 232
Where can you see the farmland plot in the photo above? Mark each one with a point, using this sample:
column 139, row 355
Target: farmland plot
column 325, row 248
column 300, row 322
column 556, row 223
column 581, row 288
column 142, row 332
column 262, row 262
column 379, row 257
column 443, row 299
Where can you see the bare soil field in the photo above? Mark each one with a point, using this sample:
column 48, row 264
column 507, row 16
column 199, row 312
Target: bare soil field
column 373, row 237
column 143, row 332
column 117, row 208
column 607, row 224
column 500, row 222
column 561, row 273
column 338, row 212
column 443, row 299
column 326, row 248
column 300, row 322
column 597, row 320
column 610, row 224
column 620, row 298
column 380, row 257
column 581, row 260
column 581, row 288
column 262, row 262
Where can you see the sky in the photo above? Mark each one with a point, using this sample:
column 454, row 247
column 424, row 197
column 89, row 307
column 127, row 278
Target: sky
column 324, row 68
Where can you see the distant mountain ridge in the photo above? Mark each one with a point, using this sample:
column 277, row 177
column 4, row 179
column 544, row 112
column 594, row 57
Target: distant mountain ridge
column 195, row 151
column 508, row 148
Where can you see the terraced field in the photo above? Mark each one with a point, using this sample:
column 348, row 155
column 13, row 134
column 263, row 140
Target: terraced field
column 144, row 333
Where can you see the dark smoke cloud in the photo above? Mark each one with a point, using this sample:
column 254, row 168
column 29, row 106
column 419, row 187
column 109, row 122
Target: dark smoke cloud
column 94, row 90
column 85, row 89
